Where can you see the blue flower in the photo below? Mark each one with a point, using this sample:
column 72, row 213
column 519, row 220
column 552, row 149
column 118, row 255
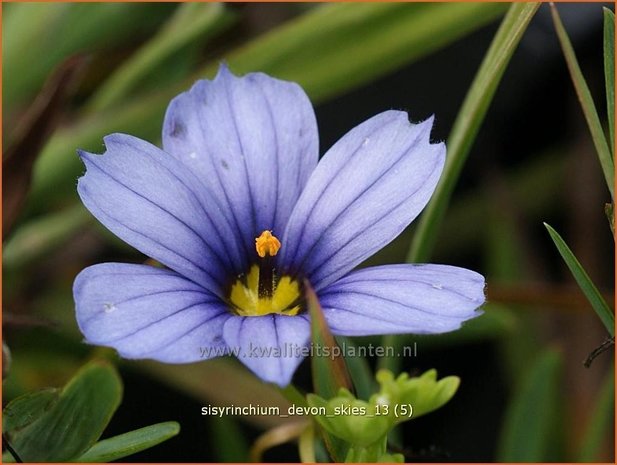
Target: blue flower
column 240, row 212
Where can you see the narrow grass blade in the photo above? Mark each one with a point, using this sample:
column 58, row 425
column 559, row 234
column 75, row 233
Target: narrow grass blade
column 130, row 443
column 329, row 372
column 601, row 421
column 589, row 108
column 609, row 73
column 584, row 281
column 468, row 122
column 329, row 368
column 190, row 22
column 532, row 418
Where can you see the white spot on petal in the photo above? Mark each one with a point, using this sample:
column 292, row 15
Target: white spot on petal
column 192, row 155
column 437, row 286
column 109, row 307
column 365, row 143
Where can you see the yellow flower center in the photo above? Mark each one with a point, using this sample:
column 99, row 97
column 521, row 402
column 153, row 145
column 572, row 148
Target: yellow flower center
column 261, row 291
column 247, row 301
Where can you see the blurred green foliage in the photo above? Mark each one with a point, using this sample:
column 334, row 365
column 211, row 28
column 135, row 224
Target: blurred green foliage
column 533, row 421
column 36, row 37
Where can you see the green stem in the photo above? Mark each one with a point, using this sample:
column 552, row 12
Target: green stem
column 367, row 454
column 293, row 395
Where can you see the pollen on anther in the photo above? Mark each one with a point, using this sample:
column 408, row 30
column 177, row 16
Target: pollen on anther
column 267, row 244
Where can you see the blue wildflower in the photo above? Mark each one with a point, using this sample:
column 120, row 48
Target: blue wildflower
column 240, row 213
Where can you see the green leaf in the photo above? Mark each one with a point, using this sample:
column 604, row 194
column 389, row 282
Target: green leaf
column 601, row 421
column 190, row 22
column 609, row 72
column 531, row 420
column 365, row 423
column 584, row 281
column 589, row 108
column 423, row 393
column 130, row 443
column 74, row 422
column 24, row 410
column 352, row 420
column 376, row 453
column 468, row 122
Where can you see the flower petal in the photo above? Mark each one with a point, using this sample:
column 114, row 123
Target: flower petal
column 271, row 345
column 395, row 299
column 252, row 139
column 147, row 312
column 157, row 205
column 367, row 188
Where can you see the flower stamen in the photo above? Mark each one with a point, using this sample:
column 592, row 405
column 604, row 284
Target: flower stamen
column 262, row 290
column 267, row 244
